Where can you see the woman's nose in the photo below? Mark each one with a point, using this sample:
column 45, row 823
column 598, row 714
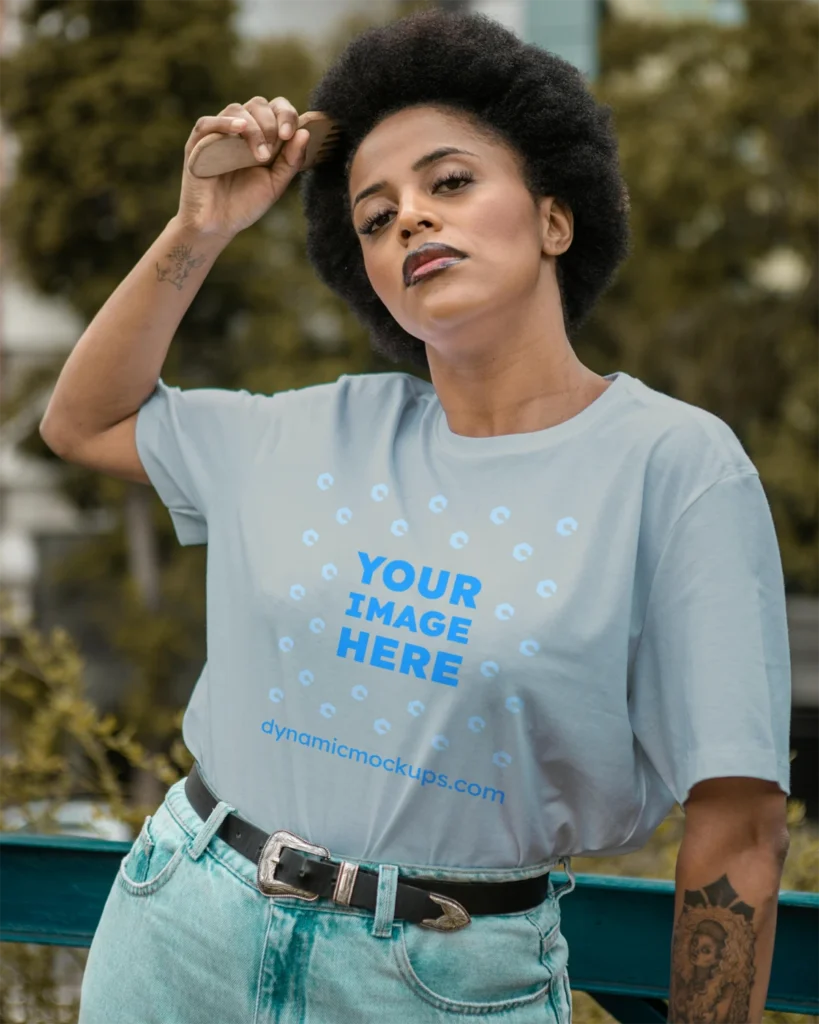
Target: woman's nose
column 408, row 232
column 412, row 219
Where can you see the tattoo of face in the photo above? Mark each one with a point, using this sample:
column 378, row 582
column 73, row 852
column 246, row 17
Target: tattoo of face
column 713, row 957
column 181, row 266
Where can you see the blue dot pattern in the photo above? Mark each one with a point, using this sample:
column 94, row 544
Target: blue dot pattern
column 436, row 515
column 414, row 626
column 504, row 611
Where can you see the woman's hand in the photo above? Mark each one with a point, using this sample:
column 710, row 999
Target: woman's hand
column 228, row 203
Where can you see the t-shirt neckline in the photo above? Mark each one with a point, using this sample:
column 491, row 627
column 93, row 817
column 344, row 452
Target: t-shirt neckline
column 533, row 440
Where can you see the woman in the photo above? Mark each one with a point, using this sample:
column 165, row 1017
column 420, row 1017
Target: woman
column 457, row 633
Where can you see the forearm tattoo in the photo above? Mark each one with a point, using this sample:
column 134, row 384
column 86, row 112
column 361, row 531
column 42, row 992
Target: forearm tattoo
column 181, row 266
column 712, row 963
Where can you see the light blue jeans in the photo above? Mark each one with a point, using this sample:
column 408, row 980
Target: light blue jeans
column 187, row 938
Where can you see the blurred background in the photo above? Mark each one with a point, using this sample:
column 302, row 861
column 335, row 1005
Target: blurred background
column 101, row 611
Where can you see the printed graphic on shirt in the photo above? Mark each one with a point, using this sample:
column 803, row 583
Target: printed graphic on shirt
column 391, row 653
column 414, row 621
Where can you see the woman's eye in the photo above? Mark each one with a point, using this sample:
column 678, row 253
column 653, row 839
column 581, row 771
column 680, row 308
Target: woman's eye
column 374, row 222
column 451, row 181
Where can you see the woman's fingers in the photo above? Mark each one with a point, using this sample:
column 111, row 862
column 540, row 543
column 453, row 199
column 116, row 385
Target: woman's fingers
column 227, row 124
column 295, row 148
column 227, row 202
column 268, row 125
column 286, row 115
column 289, row 161
column 267, row 121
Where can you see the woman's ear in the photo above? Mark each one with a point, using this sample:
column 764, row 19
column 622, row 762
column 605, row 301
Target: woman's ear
column 557, row 226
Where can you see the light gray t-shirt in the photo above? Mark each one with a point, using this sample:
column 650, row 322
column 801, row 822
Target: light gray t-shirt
column 443, row 651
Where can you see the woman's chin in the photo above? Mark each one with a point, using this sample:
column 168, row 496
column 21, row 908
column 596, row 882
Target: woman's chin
column 443, row 305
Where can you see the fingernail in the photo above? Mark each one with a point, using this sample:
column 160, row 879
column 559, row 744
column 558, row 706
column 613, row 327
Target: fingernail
column 264, row 152
column 286, row 131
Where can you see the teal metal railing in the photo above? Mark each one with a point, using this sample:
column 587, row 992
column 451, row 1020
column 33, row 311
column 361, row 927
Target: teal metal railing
column 53, row 889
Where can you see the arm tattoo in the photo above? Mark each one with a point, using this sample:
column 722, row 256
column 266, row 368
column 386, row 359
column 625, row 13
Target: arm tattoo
column 712, row 963
column 181, row 266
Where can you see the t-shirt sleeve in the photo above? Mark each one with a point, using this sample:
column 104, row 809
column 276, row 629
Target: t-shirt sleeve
column 192, row 444
column 710, row 683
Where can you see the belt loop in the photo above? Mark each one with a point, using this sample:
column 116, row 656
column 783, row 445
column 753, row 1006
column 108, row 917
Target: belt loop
column 210, row 827
column 385, row 901
column 567, row 887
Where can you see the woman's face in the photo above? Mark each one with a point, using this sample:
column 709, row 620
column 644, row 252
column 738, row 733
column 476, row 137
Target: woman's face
column 703, row 950
column 483, row 232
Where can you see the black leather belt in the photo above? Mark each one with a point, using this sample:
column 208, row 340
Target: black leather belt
column 290, row 866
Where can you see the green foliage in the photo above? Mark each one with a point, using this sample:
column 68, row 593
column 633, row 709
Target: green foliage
column 718, row 134
column 719, row 143
column 62, row 742
column 63, row 748
column 102, row 98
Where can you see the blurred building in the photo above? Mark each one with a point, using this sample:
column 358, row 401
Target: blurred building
column 31, row 328
column 37, row 525
column 727, row 12
column 313, row 19
column 569, row 27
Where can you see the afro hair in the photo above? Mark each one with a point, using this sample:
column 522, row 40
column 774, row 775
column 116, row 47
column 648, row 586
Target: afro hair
column 536, row 102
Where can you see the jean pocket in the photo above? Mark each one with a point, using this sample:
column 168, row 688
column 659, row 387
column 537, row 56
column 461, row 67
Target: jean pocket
column 497, row 963
column 154, row 856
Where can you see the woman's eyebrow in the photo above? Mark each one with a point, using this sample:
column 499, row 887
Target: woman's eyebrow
column 419, row 165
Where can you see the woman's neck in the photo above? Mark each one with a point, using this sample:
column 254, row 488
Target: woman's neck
column 517, row 395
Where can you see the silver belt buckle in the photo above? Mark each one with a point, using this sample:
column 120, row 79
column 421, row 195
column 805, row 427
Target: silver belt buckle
column 269, row 861
column 453, row 918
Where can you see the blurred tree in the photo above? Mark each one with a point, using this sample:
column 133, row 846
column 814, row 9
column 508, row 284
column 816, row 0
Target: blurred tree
column 718, row 304
column 102, row 98
column 717, row 129
column 63, row 750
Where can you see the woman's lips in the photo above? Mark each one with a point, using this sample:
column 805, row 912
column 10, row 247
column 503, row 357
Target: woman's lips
column 432, row 266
